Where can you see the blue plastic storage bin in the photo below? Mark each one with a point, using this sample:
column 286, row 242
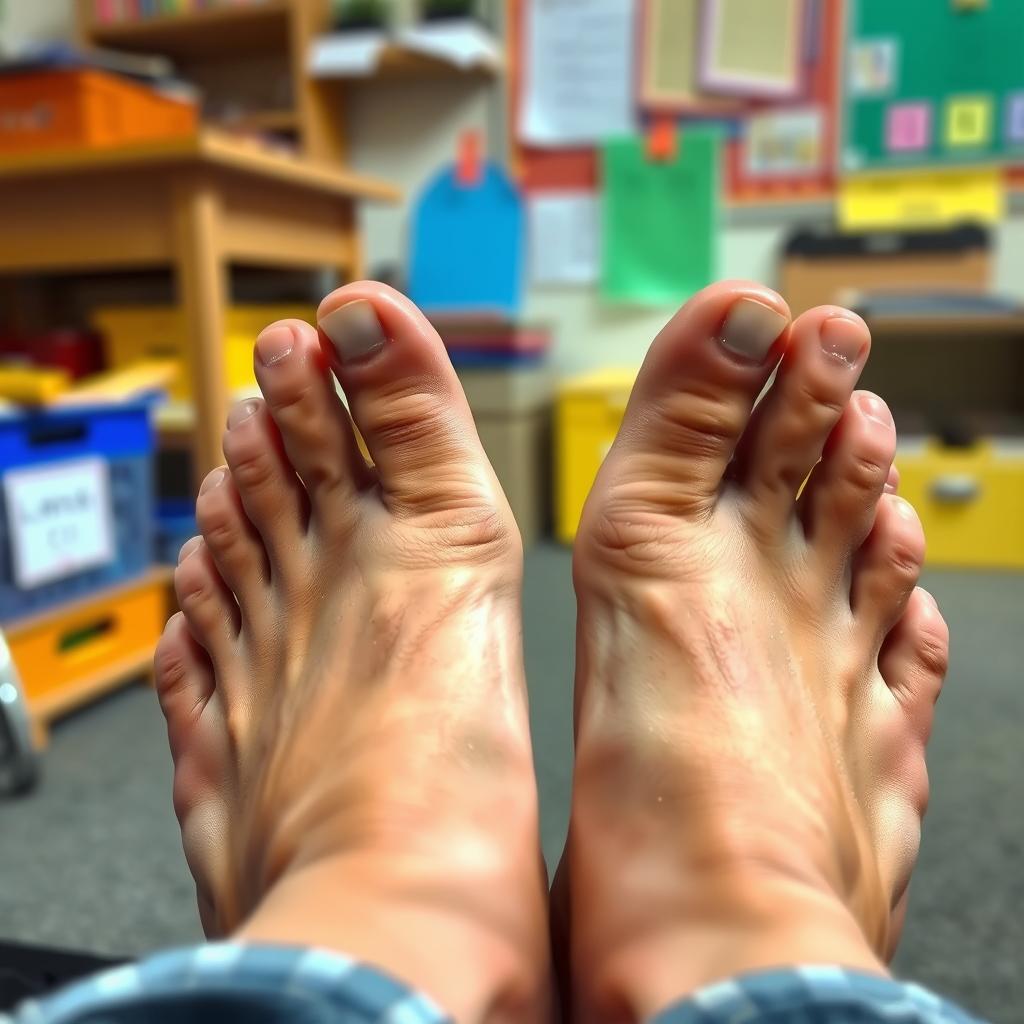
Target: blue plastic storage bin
column 119, row 434
column 175, row 524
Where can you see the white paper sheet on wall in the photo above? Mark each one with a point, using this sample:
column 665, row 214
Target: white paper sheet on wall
column 578, row 79
column 564, row 238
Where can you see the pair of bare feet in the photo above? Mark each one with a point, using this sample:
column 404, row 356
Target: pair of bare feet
column 756, row 671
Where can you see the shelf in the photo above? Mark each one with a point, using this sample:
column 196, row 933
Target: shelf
column 933, row 325
column 398, row 62
column 458, row 51
column 210, row 146
column 264, row 121
column 217, row 32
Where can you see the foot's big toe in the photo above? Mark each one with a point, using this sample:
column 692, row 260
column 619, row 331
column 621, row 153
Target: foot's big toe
column 690, row 404
column 409, row 406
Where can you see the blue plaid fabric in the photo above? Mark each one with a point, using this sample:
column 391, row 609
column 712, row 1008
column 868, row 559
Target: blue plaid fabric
column 814, row 995
column 222, row 983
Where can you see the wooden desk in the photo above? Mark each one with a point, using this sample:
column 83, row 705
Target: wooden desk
column 194, row 205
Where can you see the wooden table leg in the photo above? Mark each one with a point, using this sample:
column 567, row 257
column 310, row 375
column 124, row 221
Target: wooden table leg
column 202, row 278
column 353, row 267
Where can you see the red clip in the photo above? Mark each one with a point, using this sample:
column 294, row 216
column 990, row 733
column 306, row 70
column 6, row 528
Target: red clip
column 469, row 168
column 663, row 139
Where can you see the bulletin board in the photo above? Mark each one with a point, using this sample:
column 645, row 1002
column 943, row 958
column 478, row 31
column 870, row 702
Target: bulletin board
column 539, row 169
column 933, row 82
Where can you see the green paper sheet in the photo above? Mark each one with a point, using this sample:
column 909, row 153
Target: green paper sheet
column 660, row 219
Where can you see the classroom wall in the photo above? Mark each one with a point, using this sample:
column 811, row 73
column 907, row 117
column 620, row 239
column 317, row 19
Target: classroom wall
column 404, row 134
column 35, row 19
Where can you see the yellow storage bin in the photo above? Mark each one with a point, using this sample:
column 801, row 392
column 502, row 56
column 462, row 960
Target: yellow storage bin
column 76, row 652
column 971, row 501
column 134, row 333
column 588, row 413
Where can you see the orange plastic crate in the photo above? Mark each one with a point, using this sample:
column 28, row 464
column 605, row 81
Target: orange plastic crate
column 85, row 109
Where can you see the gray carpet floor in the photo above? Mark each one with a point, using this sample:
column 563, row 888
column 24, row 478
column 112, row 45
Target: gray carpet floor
column 92, row 860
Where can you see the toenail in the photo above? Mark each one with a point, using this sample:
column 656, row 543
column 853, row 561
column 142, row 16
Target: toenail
column 843, row 339
column 214, row 479
column 241, row 412
column 189, row 547
column 274, row 343
column 904, row 509
column 354, row 329
column 751, row 328
column 875, row 409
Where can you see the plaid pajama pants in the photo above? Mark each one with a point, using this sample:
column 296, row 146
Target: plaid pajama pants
column 229, row 982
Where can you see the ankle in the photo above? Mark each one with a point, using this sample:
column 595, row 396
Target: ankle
column 763, row 926
column 477, row 962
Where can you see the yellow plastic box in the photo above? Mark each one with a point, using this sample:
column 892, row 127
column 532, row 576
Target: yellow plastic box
column 134, row 333
column 588, row 414
column 73, row 654
column 971, row 501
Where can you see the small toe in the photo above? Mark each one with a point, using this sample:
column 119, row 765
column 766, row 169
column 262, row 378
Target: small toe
column 914, row 659
column 827, row 350
column 274, row 499
column 314, row 425
column 838, row 504
column 209, row 607
column 236, row 548
column 693, row 397
column 407, row 401
column 886, row 569
column 183, row 678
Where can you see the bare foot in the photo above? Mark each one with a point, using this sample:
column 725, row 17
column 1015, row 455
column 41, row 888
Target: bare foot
column 344, row 688
column 756, row 671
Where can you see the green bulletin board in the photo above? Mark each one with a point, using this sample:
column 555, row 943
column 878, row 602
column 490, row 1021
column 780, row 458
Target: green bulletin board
column 933, row 82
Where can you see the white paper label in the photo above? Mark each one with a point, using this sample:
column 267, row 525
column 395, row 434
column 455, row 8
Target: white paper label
column 59, row 518
column 564, row 238
column 873, row 67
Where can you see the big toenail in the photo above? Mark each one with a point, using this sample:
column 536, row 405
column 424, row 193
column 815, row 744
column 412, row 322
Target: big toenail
column 214, row 479
column 843, row 339
column 751, row 328
column 354, row 330
column 875, row 409
column 276, row 342
column 241, row 412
